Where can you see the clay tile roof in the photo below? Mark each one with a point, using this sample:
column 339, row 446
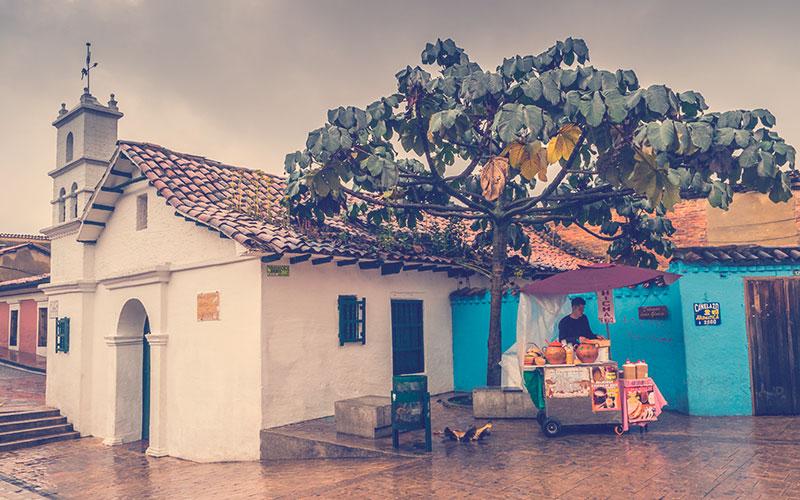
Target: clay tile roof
column 247, row 205
column 737, row 254
column 28, row 281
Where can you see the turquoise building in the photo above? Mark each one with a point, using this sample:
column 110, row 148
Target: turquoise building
column 744, row 361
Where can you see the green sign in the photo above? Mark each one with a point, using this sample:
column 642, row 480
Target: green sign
column 280, row 271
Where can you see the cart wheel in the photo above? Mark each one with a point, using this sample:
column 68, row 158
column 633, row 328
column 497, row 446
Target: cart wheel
column 618, row 430
column 551, row 427
column 540, row 417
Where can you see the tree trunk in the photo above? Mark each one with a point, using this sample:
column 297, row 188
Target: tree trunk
column 499, row 253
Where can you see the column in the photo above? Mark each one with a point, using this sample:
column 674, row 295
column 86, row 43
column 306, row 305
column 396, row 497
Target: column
column 158, row 395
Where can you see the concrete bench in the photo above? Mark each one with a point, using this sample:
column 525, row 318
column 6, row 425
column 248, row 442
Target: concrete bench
column 367, row 416
column 502, row 402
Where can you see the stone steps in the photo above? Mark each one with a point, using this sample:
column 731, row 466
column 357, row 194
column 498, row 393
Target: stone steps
column 23, row 429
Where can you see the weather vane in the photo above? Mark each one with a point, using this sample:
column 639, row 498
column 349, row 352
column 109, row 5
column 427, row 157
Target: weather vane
column 85, row 71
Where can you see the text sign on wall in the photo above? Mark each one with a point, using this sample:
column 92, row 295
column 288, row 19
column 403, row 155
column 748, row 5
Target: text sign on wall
column 279, row 271
column 52, row 309
column 605, row 306
column 707, row 314
column 208, row 306
column 653, row 312
column 795, row 272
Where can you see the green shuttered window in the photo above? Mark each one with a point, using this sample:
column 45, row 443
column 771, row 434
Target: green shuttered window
column 62, row 335
column 352, row 319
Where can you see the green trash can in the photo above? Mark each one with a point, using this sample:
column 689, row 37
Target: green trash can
column 411, row 407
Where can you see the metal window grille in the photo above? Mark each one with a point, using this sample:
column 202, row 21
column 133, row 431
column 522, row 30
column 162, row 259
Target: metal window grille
column 408, row 347
column 352, row 319
column 42, row 328
column 141, row 212
column 62, row 335
column 13, row 329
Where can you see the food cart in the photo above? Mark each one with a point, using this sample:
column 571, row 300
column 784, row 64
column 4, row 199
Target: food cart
column 590, row 391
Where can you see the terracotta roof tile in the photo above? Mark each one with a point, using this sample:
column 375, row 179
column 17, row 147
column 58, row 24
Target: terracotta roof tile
column 247, row 206
column 737, row 254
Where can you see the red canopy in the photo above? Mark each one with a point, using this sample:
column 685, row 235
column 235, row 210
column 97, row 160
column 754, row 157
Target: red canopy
column 596, row 278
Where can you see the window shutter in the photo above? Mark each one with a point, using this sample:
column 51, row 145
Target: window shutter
column 352, row 319
column 62, row 335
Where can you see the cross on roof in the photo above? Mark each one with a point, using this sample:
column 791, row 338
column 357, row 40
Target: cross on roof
column 85, row 71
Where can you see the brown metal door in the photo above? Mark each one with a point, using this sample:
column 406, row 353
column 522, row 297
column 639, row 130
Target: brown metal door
column 773, row 323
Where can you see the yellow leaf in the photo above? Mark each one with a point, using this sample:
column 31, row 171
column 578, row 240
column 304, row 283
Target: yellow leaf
column 516, row 152
column 563, row 143
column 534, row 161
column 493, row 177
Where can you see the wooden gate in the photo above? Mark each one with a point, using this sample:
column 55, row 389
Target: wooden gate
column 773, row 334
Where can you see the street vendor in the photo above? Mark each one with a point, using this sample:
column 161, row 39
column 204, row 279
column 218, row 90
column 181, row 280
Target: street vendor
column 574, row 327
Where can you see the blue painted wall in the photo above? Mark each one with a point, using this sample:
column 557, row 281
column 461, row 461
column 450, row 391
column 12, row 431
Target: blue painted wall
column 471, row 335
column 658, row 342
column 717, row 357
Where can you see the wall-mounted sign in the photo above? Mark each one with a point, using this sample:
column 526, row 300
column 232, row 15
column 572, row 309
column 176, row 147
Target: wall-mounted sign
column 605, row 306
column 795, row 272
column 279, row 271
column 52, row 309
column 707, row 314
column 653, row 312
column 208, row 306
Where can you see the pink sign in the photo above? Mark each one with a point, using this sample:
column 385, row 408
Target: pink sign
column 605, row 306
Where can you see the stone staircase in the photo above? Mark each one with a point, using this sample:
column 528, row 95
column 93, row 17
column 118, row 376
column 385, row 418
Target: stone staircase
column 26, row 428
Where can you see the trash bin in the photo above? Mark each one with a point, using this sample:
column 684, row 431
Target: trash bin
column 411, row 407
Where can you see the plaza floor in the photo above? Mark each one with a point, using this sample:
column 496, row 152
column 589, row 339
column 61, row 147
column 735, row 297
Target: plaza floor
column 680, row 457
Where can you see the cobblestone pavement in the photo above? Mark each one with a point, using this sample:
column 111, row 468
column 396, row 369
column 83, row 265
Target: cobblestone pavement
column 680, row 457
column 20, row 388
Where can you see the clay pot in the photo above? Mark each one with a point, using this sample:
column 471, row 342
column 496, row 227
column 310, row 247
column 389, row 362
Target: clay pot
column 587, row 353
column 555, row 355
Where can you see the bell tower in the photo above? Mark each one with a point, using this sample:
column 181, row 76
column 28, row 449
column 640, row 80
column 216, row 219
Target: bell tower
column 86, row 139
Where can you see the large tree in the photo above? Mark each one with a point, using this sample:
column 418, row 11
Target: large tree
column 542, row 139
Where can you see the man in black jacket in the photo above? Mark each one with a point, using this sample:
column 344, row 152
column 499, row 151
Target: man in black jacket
column 575, row 327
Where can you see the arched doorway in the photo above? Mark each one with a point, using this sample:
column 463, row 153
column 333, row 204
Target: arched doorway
column 130, row 375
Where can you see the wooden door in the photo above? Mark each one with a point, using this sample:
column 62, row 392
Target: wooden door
column 773, row 326
column 408, row 354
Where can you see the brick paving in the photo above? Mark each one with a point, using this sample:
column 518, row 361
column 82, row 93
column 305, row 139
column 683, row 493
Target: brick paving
column 20, row 389
column 680, row 457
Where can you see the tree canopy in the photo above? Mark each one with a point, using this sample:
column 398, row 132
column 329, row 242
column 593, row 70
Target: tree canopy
column 541, row 139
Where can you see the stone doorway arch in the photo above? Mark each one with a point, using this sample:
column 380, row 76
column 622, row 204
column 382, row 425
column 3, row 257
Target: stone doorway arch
column 127, row 379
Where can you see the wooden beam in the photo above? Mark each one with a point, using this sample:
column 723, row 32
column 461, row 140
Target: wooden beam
column 111, row 190
column 271, row 258
column 370, row 264
column 425, row 268
column 346, row 262
column 322, row 260
column 299, row 258
column 120, row 173
column 94, row 223
column 98, row 206
column 391, row 268
column 441, row 269
column 411, row 267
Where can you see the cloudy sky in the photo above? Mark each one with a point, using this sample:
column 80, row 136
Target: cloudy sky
column 244, row 81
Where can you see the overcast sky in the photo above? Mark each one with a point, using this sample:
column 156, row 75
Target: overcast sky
column 243, row 82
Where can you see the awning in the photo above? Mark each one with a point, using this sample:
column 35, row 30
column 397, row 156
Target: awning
column 597, row 277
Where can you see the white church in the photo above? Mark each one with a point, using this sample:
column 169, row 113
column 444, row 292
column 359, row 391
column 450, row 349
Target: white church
column 186, row 311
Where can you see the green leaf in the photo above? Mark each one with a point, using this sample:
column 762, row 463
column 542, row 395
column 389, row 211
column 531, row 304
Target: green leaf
column 532, row 118
column 702, row 134
column 724, row 136
column 617, row 111
column 742, row 138
column 672, row 195
column 533, row 89
column 595, row 111
column 749, row 157
column 572, row 104
column 656, row 99
column 661, row 135
column 766, row 166
column 550, row 89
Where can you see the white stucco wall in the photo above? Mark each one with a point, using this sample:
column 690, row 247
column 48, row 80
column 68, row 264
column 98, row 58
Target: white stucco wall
column 306, row 371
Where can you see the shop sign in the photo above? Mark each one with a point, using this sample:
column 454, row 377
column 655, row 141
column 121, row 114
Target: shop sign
column 567, row 382
column 208, row 306
column 795, row 272
column 707, row 314
column 653, row 312
column 278, row 271
column 52, row 309
column 605, row 389
column 605, row 306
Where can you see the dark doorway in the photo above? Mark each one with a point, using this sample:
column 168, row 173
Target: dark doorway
column 408, row 354
column 773, row 334
column 146, row 381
